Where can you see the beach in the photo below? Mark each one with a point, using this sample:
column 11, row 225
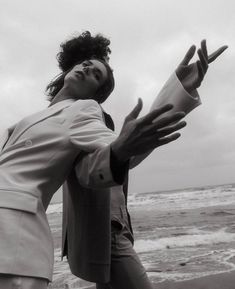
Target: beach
column 185, row 238
column 217, row 281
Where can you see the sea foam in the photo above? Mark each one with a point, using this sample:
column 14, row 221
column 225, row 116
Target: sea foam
column 190, row 240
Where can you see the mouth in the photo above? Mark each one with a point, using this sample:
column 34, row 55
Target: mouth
column 80, row 74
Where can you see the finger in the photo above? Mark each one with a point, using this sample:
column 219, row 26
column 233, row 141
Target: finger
column 155, row 113
column 203, row 60
column 153, row 130
column 200, row 76
column 189, row 55
column 204, row 48
column 217, row 53
column 151, row 143
column 200, row 70
column 136, row 111
column 168, row 139
column 170, row 129
column 169, row 120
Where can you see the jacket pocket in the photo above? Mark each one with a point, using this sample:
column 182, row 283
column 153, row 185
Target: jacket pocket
column 116, row 225
column 17, row 200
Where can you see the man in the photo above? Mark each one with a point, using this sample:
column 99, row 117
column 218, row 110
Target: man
column 95, row 250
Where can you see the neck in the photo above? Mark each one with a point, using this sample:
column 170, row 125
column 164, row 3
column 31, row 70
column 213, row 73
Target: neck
column 63, row 94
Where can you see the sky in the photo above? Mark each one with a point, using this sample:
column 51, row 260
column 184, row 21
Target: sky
column 148, row 40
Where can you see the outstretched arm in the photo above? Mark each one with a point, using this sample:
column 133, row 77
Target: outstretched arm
column 98, row 146
column 181, row 89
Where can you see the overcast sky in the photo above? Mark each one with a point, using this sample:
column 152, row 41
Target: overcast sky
column 148, row 39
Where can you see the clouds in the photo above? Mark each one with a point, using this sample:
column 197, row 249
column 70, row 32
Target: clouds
column 148, row 40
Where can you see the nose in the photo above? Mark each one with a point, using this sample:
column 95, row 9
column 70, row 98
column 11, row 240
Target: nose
column 87, row 70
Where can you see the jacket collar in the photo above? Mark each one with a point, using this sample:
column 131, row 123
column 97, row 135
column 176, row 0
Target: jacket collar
column 107, row 119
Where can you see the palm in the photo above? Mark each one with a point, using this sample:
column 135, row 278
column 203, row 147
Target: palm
column 189, row 76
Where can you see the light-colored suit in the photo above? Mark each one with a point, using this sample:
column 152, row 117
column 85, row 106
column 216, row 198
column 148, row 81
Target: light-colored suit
column 36, row 157
column 86, row 211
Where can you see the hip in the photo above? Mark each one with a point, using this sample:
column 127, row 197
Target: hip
column 26, row 245
column 122, row 238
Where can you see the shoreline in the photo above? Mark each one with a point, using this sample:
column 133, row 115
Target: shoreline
column 217, row 281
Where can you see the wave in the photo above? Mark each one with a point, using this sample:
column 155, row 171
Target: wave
column 192, row 198
column 55, row 208
column 195, row 239
column 184, row 199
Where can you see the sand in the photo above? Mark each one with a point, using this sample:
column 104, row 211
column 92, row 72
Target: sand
column 218, row 281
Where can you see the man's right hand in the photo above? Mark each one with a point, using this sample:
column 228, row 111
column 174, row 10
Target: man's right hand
column 192, row 75
column 141, row 135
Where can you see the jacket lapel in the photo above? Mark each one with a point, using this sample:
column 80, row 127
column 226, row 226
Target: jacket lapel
column 110, row 124
column 5, row 137
column 37, row 117
column 108, row 120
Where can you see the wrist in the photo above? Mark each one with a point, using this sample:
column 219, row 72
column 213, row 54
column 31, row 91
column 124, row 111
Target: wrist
column 119, row 153
column 119, row 168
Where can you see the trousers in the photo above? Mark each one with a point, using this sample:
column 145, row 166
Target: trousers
column 22, row 282
column 127, row 270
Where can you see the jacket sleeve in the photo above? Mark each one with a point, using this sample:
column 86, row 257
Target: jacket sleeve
column 89, row 134
column 87, row 130
column 174, row 93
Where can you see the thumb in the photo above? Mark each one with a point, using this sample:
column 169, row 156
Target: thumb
column 135, row 111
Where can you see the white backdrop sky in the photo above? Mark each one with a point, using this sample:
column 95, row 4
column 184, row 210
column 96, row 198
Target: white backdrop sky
column 148, row 40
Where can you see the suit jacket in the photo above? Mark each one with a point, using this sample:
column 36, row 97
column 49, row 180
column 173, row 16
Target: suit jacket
column 86, row 211
column 36, row 157
column 86, row 224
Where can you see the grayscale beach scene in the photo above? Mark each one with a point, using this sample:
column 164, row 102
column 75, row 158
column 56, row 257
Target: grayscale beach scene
column 181, row 198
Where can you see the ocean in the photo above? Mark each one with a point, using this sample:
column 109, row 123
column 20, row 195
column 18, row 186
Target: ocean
column 179, row 235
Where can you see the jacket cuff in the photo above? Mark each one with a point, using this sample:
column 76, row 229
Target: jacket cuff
column 174, row 93
column 119, row 169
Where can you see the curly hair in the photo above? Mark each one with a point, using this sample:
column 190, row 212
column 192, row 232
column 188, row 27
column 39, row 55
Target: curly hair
column 75, row 51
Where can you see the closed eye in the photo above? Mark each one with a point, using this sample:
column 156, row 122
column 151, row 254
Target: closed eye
column 98, row 74
column 86, row 63
column 96, row 71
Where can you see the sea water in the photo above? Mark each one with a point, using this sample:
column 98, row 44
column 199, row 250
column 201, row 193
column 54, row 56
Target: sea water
column 179, row 235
